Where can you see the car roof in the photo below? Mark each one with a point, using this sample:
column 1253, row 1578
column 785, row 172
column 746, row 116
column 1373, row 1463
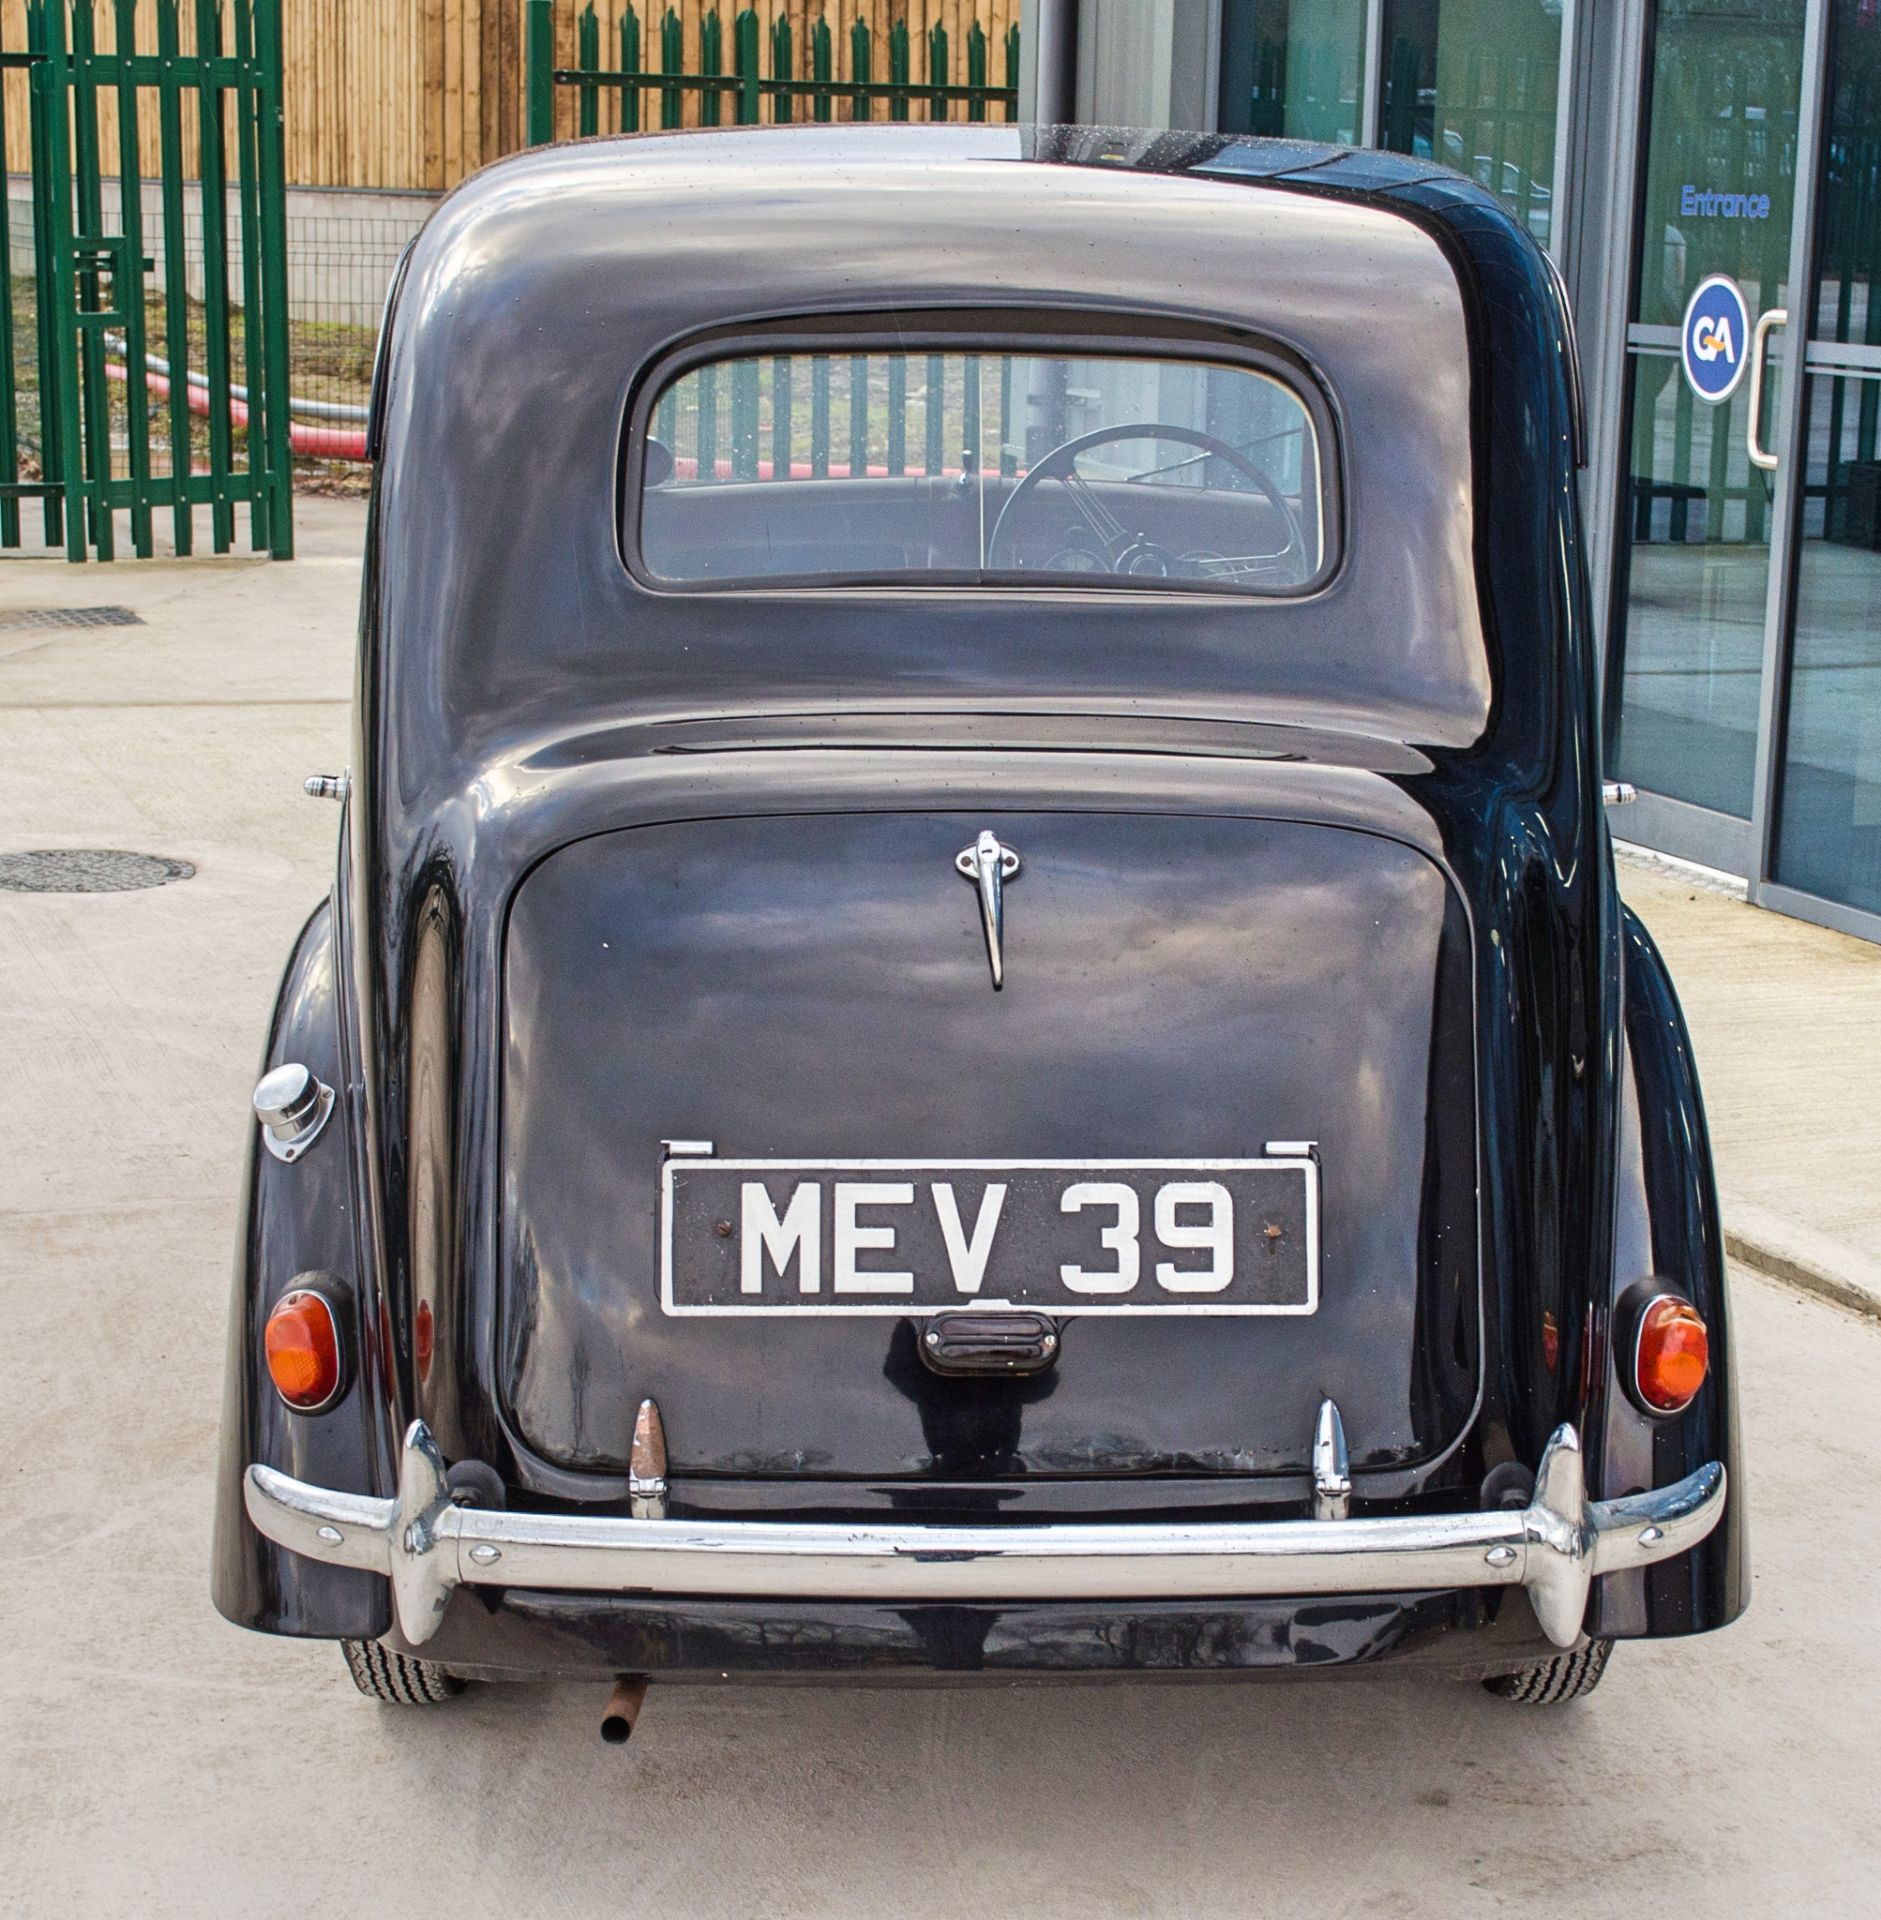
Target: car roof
column 546, row 287
column 904, row 209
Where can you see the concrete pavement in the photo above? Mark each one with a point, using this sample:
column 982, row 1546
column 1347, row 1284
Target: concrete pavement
column 157, row 1762
column 1786, row 1023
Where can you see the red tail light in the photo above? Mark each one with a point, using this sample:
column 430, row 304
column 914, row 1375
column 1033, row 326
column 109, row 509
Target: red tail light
column 303, row 1347
column 1671, row 1354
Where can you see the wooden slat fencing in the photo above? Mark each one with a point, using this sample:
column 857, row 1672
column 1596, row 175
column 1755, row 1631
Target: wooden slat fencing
column 419, row 93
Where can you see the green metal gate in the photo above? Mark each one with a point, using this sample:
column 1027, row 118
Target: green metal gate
column 802, row 81
column 110, row 257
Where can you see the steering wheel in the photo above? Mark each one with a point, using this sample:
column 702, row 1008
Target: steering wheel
column 1120, row 550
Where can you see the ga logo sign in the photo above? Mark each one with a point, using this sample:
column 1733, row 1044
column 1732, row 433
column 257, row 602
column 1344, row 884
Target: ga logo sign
column 1715, row 341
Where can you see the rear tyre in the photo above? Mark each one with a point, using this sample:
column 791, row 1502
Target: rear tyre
column 381, row 1674
column 1568, row 1676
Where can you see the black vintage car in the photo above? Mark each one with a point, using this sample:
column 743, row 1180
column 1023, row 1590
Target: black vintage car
column 974, row 1020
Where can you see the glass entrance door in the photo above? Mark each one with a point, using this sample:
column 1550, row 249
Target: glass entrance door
column 1692, row 569
column 1826, row 842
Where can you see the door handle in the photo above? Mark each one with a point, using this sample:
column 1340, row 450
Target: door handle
column 1760, row 455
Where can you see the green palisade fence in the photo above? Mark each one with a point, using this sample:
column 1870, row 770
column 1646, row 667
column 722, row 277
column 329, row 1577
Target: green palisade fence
column 801, row 82
column 835, row 415
column 89, row 427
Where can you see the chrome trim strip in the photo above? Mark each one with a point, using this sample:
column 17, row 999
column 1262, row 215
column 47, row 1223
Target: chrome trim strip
column 428, row 1547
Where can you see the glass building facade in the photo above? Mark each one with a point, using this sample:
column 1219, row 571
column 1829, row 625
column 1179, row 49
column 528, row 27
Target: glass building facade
column 1651, row 145
column 1295, row 70
column 1827, row 838
column 1474, row 84
column 1686, row 641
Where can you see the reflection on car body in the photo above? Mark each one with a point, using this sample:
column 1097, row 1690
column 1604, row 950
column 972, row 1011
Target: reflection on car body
column 1529, row 199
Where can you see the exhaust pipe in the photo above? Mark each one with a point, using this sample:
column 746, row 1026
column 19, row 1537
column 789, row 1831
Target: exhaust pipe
column 623, row 1709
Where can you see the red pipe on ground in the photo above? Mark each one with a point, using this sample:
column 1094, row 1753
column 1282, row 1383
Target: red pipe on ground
column 321, row 443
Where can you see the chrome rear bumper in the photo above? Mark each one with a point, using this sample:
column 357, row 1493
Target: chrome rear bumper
column 427, row 1547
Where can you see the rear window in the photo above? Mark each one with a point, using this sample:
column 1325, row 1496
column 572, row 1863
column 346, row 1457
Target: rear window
column 993, row 467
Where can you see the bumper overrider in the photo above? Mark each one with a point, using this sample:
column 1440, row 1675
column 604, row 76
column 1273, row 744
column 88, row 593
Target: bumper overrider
column 427, row 1547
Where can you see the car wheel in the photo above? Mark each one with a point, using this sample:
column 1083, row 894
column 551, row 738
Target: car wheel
column 381, row 1674
column 1568, row 1676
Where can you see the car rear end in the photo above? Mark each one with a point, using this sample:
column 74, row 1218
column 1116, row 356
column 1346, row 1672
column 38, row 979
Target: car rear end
column 985, row 1034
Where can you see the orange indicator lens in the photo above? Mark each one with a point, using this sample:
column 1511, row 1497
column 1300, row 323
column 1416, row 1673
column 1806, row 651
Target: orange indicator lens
column 1674, row 1353
column 303, row 1345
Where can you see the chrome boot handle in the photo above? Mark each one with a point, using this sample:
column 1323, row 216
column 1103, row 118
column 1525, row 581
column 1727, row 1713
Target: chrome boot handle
column 1760, row 456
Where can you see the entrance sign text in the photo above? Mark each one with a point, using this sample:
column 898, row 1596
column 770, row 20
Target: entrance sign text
column 1705, row 203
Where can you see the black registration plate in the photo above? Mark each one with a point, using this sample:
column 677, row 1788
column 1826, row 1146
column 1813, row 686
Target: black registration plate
column 1054, row 1236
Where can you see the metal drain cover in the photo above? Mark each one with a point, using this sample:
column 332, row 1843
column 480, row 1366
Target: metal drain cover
column 70, row 617
column 87, row 870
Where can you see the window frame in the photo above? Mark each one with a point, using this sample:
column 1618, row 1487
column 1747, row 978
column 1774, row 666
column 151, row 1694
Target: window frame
column 1074, row 333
